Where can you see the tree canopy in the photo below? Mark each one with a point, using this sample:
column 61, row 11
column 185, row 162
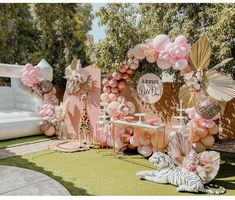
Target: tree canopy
column 56, row 32
column 128, row 25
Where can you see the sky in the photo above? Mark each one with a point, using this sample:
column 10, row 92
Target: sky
column 97, row 31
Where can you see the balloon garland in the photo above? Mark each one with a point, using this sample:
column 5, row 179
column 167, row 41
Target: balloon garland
column 160, row 50
column 166, row 54
column 33, row 83
column 179, row 55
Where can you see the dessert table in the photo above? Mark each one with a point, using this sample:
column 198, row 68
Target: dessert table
column 137, row 124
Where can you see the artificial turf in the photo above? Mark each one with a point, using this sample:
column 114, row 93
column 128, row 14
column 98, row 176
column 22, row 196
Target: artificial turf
column 23, row 141
column 89, row 173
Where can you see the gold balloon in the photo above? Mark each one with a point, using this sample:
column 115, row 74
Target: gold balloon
column 207, row 107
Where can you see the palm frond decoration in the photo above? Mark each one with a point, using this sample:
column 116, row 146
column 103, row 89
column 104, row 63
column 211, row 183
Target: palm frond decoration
column 224, row 62
column 218, row 85
column 74, row 64
column 199, row 57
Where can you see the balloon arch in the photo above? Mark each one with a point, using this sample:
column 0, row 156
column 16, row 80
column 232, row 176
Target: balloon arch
column 190, row 61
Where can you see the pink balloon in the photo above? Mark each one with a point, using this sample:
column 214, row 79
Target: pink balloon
column 123, row 69
column 117, row 75
column 42, row 113
column 50, row 131
column 181, row 64
column 163, row 64
column 107, row 89
column 104, row 96
column 105, row 82
column 49, row 112
column 207, row 123
column 37, row 68
column 213, row 130
column 109, row 76
column 129, row 71
column 113, row 83
column 146, row 151
column 160, row 42
column 121, row 85
column 181, row 40
column 151, row 59
column 169, row 46
column 28, row 66
column 115, row 90
column 208, row 140
column 181, row 52
column 112, row 109
column 139, row 149
column 139, row 51
column 202, row 132
column 144, row 141
column 119, row 93
column 125, row 76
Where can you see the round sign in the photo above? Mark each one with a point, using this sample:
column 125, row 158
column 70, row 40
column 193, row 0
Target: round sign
column 150, row 88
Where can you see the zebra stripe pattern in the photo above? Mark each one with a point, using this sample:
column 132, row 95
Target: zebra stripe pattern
column 168, row 173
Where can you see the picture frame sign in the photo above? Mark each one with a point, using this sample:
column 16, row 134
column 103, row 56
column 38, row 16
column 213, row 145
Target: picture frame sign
column 150, row 88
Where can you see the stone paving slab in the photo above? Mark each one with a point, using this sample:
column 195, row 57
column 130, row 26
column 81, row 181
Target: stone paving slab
column 17, row 181
column 25, row 149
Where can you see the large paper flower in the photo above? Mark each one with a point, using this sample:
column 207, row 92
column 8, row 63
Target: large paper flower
column 77, row 77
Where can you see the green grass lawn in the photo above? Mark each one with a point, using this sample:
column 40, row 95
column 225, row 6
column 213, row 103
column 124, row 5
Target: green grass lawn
column 89, row 173
column 23, row 141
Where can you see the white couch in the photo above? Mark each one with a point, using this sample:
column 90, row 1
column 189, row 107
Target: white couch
column 18, row 109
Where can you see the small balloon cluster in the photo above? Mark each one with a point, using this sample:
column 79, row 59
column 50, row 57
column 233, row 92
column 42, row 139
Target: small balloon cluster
column 33, row 83
column 122, row 137
column 30, row 75
column 53, row 120
column 148, row 142
column 47, row 110
column 117, row 108
column 172, row 54
column 202, row 120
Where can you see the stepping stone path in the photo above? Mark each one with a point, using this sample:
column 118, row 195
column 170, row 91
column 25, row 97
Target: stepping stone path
column 17, row 181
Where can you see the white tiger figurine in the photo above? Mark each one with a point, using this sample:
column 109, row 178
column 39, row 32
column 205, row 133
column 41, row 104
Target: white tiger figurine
column 168, row 173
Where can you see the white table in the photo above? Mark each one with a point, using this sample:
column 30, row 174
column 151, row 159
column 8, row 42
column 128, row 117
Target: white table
column 137, row 124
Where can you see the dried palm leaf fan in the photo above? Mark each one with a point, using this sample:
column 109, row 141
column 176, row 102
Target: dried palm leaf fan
column 217, row 85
